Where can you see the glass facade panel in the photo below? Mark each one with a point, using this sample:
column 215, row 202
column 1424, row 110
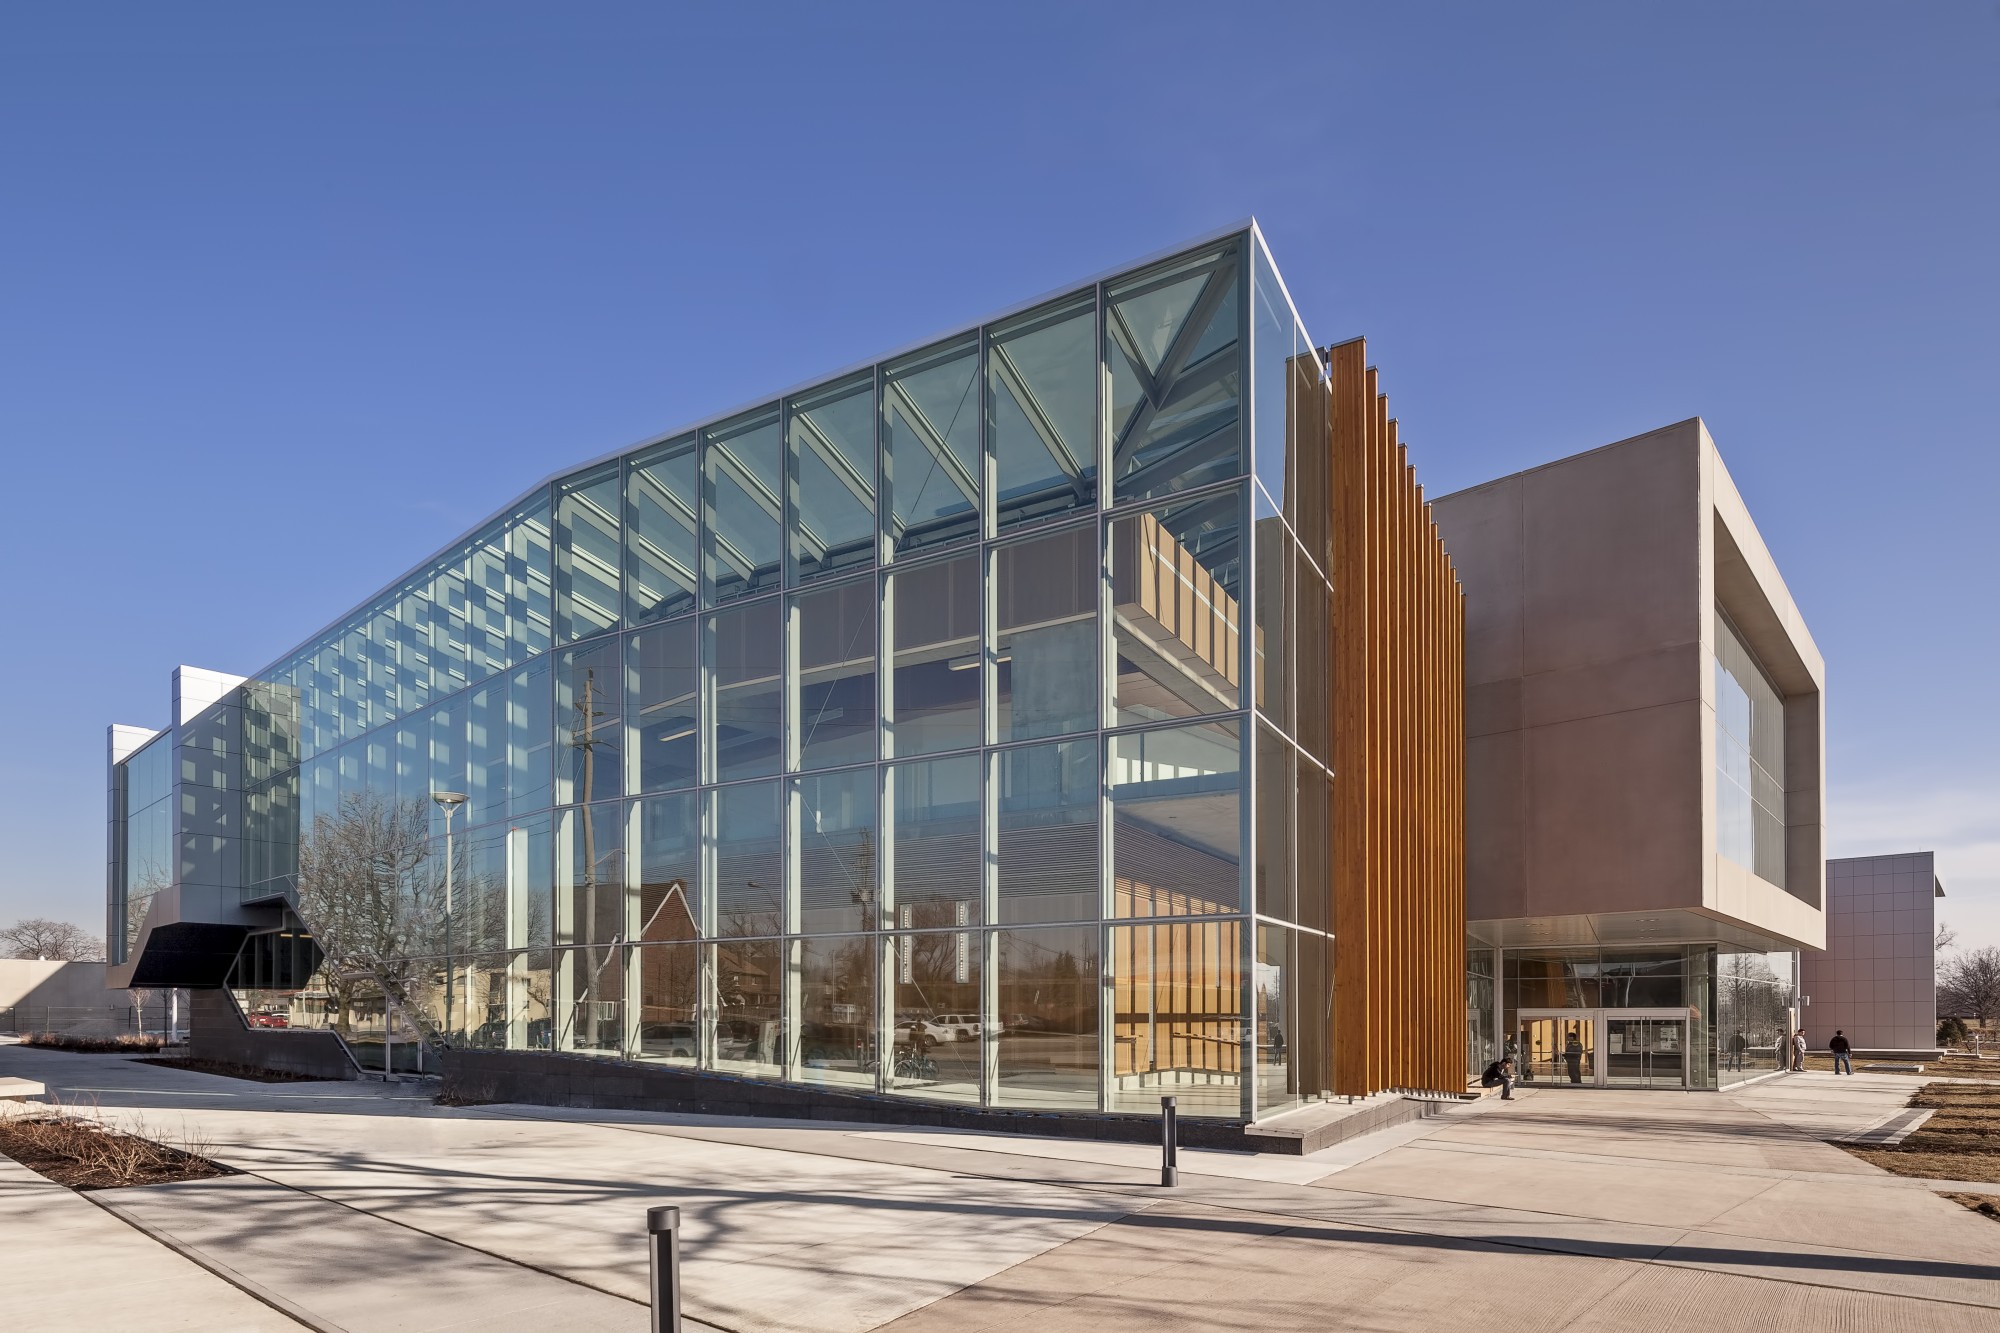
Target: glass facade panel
column 594, row 894
column 1177, row 1017
column 1172, row 350
column 1045, row 635
column 669, row 903
column 590, row 727
column 749, row 888
column 935, row 819
column 934, row 686
column 832, row 461
column 1749, row 759
column 1271, row 647
column 1271, row 327
column 148, row 861
column 590, row 1001
column 1274, row 989
column 530, row 580
column 930, row 447
column 1041, row 412
column 1314, row 874
column 743, row 507
column 662, row 678
column 669, row 982
column 1176, row 590
column 748, row 1035
column 1048, row 990
column 746, row 710
column 662, row 509
column 530, row 774
column 1312, row 649
column 834, row 851
column 1048, row 853
column 837, row 1000
column 1278, row 827
column 1753, row 992
column 834, row 671
column 1176, row 821
column 938, row 1032
column 588, row 546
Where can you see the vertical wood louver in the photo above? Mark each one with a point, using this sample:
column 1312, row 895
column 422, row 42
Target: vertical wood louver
column 1398, row 798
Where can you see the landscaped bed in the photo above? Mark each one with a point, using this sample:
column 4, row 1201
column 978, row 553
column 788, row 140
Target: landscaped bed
column 129, row 1044
column 1960, row 1142
column 1948, row 1066
column 226, row 1070
column 79, row 1150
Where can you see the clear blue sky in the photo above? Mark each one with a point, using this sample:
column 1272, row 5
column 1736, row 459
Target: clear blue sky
column 289, row 295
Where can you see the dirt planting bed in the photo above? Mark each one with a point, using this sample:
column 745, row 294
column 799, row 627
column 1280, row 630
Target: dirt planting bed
column 81, row 1151
column 1960, row 1142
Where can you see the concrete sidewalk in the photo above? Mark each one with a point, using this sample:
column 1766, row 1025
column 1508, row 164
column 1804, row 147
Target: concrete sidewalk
column 1562, row 1210
column 72, row 1265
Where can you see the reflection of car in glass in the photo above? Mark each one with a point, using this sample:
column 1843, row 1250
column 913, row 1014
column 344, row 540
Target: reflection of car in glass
column 747, row 1039
column 676, row 1041
column 834, row 1043
column 949, row 1027
column 268, row 1020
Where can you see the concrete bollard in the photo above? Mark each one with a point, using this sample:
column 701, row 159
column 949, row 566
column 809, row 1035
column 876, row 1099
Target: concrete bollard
column 1170, row 1170
column 663, row 1232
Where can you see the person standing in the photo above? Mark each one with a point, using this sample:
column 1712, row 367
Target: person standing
column 1573, row 1056
column 1783, row 1049
column 1738, row 1044
column 1799, row 1051
column 1843, row 1054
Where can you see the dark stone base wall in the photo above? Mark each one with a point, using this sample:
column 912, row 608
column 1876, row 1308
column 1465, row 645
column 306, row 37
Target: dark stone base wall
column 541, row 1078
column 216, row 1031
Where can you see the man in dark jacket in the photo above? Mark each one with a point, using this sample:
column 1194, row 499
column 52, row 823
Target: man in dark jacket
column 1842, row 1053
column 1500, row 1074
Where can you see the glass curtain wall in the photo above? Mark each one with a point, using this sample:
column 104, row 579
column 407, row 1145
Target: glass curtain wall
column 904, row 734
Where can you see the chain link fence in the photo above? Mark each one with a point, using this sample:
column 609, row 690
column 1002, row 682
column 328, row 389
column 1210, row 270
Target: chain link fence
column 158, row 1015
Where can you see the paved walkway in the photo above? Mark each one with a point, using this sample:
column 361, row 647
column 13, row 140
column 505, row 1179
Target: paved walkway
column 71, row 1265
column 1564, row 1210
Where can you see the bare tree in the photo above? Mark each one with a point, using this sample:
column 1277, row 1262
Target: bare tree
column 366, row 892
column 1946, row 937
column 1969, row 985
column 41, row 937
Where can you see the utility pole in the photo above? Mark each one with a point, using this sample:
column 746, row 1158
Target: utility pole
column 449, row 801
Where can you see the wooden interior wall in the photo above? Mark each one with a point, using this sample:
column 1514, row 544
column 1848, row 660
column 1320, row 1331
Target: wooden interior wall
column 1397, row 803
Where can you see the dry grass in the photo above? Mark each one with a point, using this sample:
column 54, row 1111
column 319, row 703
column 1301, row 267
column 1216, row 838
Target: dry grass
column 130, row 1044
column 1949, row 1066
column 74, row 1146
column 1961, row 1141
column 1983, row 1204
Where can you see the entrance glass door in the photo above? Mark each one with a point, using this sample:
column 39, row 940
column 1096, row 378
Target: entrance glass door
column 1558, row 1047
column 1645, row 1052
column 1601, row 1048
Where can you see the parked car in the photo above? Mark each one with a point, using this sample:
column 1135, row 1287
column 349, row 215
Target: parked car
column 268, row 1020
column 675, row 1041
column 950, row 1027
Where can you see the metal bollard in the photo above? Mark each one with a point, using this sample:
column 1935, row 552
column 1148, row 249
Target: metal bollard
column 663, row 1228
column 1170, row 1170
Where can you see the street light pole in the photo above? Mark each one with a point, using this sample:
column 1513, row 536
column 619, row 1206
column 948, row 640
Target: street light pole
column 449, row 801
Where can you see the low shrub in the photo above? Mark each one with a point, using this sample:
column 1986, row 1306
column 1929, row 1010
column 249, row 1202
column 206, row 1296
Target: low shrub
column 75, row 1146
column 129, row 1044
